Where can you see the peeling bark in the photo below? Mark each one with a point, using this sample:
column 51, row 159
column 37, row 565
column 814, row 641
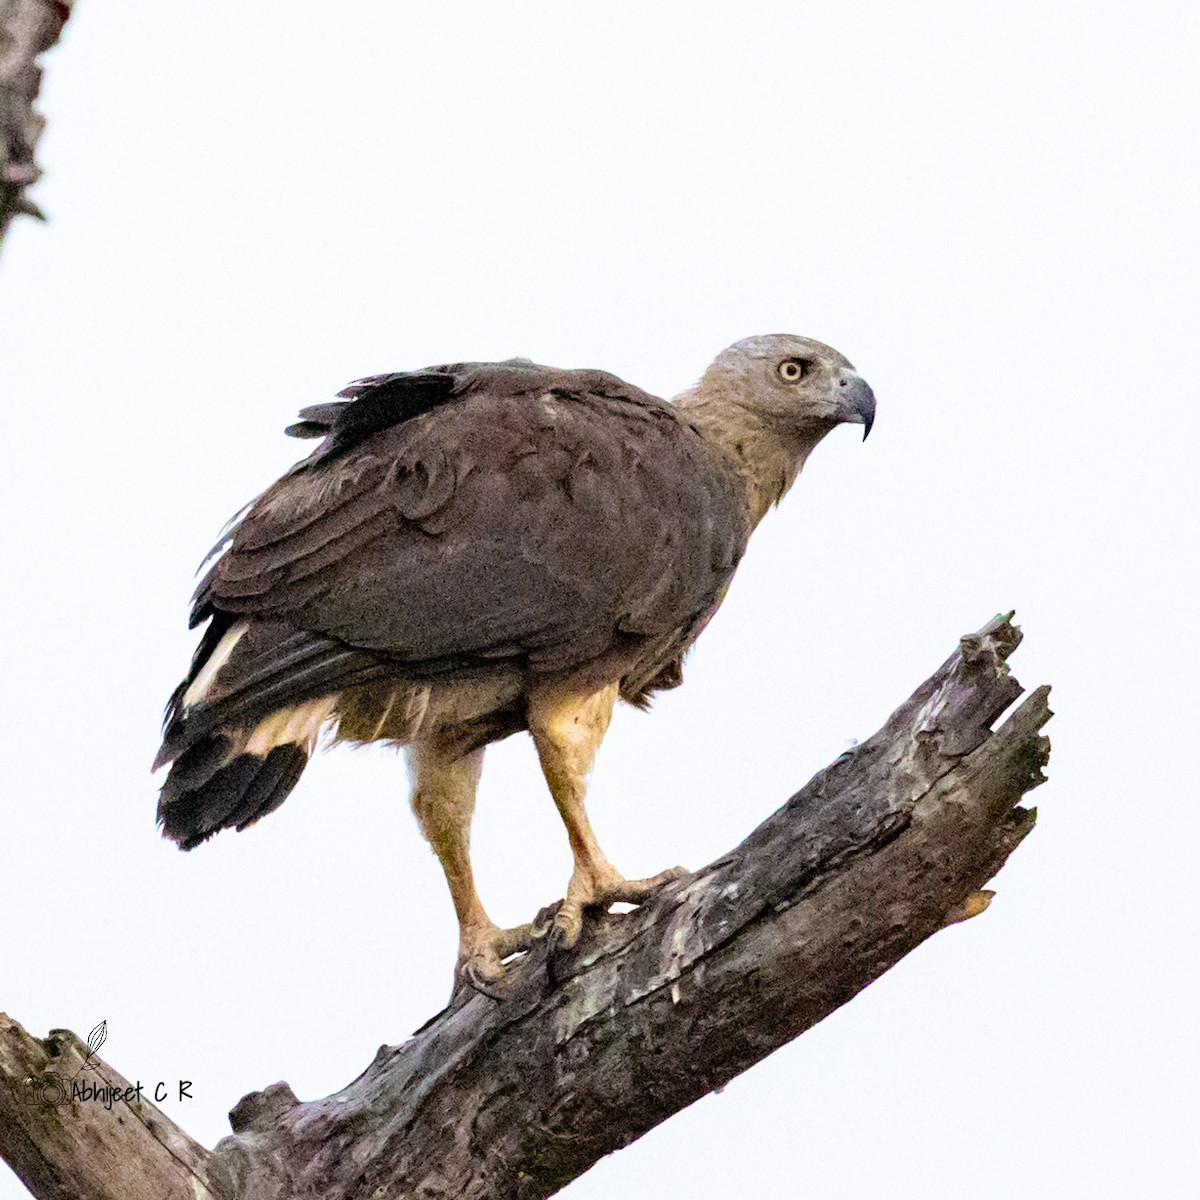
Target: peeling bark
column 28, row 28
column 519, row 1095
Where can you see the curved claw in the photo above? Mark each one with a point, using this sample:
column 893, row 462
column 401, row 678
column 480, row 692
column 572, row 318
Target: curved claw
column 474, row 974
column 567, row 925
column 481, row 959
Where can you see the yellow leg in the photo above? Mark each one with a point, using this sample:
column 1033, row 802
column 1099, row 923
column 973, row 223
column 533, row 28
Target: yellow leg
column 567, row 730
column 444, row 801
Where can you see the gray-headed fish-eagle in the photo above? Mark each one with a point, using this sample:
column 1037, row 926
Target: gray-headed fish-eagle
column 471, row 551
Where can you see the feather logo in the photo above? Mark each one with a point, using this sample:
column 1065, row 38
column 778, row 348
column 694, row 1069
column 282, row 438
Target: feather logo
column 95, row 1040
column 51, row 1090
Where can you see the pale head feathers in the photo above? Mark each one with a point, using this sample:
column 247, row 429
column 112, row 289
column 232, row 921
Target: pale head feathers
column 766, row 401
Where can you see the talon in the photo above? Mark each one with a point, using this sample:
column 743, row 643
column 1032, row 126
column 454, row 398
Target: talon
column 566, row 927
column 566, row 916
column 473, row 974
column 543, row 923
column 483, row 950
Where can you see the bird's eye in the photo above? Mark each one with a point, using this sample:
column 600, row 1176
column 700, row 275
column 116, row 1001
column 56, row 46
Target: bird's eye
column 791, row 370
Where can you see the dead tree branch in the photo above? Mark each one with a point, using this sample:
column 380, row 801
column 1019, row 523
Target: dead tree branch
column 519, row 1095
column 28, row 28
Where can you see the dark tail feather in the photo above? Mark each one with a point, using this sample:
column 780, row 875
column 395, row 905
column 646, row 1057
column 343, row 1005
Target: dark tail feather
column 207, row 791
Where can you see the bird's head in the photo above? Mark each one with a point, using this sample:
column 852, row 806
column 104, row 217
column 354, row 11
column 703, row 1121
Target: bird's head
column 799, row 387
column 767, row 401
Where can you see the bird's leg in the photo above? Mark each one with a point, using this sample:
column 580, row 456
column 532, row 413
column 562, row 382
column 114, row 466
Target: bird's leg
column 444, row 801
column 567, row 730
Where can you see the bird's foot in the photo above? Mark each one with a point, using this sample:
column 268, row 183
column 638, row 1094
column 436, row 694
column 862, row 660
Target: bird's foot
column 599, row 890
column 483, row 950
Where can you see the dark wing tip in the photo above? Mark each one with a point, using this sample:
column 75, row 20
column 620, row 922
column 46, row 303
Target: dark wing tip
column 399, row 386
column 307, row 429
column 317, row 420
column 381, row 401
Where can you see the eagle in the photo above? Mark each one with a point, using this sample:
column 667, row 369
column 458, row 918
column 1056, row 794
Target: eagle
column 474, row 550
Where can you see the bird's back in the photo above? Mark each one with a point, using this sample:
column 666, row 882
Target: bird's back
column 473, row 522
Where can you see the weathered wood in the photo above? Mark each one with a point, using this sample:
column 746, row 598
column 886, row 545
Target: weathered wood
column 517, row 1096
column 28, row 28
column 111, row 1146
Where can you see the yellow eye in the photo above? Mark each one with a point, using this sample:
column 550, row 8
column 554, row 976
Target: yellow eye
column 791, row 370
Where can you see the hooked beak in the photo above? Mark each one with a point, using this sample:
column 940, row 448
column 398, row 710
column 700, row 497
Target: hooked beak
column 857, row 401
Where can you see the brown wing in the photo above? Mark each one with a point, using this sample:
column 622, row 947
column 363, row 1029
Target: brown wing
column 533, row 514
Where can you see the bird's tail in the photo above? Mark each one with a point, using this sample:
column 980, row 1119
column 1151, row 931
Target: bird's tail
column 216, row 784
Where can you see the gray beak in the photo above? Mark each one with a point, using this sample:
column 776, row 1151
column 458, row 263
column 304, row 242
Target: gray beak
column 857, row 400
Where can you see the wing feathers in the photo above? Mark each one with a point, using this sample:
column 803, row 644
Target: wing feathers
column 272, row 665
column 378, row 403
column 457, row 517
column 235, row 793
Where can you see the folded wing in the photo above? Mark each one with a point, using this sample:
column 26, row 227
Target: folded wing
column 460, row 517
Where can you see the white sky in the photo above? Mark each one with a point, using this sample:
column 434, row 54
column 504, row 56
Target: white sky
column 990, row 209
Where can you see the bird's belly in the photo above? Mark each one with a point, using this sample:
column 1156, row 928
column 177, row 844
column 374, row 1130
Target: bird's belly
column 479, row 708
